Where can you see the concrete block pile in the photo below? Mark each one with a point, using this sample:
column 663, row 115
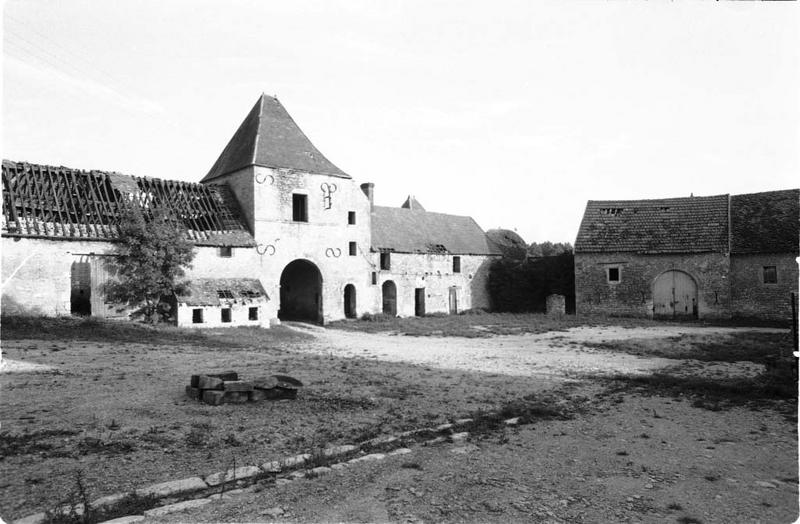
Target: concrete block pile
column 228, row 388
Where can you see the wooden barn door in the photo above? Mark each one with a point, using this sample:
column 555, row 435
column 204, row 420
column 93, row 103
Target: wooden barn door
column 675, row 295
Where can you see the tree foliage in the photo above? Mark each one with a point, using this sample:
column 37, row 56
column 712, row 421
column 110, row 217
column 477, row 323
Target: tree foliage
column 151, row 257
column 548, row 249
column 517, row 287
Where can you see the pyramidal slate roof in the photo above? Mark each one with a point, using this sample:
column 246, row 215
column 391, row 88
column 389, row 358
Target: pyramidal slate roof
column 412, row 203
column 766, row 222
column 669, row 225
column 69, row 204
column 415, row 231
column 269, row 137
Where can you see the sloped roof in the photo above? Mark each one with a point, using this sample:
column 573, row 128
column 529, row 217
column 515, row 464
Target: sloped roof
column 70, row 204
column 508, row 242
column 412, row 231
column 217, row 291
column 766, row 222
column 412, row 203
column 269, row 137
column 669, row 225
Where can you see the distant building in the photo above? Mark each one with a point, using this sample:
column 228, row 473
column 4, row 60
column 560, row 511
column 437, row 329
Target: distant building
column 280, row 233
column 698, row 257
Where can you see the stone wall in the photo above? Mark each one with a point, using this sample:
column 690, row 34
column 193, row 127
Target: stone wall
column 633, row 294
column 751, row 297
column 323, row 240
column 435, row 274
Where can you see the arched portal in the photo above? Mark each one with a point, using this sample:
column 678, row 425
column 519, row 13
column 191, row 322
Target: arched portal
column 389, row 298
column 675, row 295
column 350, row 301
column 301, row 292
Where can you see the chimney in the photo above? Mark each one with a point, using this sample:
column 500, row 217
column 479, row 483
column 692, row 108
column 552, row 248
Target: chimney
column 369, row 189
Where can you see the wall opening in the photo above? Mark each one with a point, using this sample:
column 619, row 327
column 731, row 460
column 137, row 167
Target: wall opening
column 453, row 300
column 80, row 298
column 301, row 292
column 456, row 264
column 389, row 298
column 225, row 315
column 419, row 301
column 386, row 261
column 351, row 218
column 252, row 313
column 300, row 208
column 197, row 316
column 675, row 295
column 350, row 301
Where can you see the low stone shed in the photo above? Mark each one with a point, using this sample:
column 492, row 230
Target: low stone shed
column 718, row 256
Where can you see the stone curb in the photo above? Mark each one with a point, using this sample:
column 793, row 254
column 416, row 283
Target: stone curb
column 193, row 486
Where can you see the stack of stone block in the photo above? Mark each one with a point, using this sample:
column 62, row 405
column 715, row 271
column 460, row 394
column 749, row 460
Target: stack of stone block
column 227, row 388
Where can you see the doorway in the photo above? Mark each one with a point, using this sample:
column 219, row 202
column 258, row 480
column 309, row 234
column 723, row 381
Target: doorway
column 389, row 298
column 419, row 301
column 675, row 295
column 301, row 292
column 350, row 301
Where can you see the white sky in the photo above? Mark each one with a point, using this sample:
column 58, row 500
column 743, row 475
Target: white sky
column 515, row 113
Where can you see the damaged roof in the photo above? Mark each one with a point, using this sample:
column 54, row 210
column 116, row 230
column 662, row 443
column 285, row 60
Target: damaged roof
column 219, row 291
column 766, row 222
column 668, row 225
column 415, row 231
column 70, row 204
column 269, row 137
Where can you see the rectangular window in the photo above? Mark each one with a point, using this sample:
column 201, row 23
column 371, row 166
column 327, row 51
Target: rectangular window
column 197, row 316
column 613, row 274
column 226, row 315
column 353, row 249
column 386, row 261
column 351, row 218
column 300, row 208
column 226, row 252
column 456, row 264
column 252, row 313
column 374, row 278
column 770, row 275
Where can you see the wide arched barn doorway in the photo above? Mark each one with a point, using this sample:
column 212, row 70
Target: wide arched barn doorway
column 675, row 295
column 301, row 292
column 350, row 301
column 389, row 298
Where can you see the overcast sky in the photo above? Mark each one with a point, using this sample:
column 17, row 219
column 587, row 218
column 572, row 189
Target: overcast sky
column 515, row 113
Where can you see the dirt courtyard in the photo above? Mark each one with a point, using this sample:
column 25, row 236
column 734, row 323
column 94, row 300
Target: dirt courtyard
column 665, row 422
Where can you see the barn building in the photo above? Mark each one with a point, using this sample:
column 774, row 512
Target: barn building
column 280, row 232
column 699, row 257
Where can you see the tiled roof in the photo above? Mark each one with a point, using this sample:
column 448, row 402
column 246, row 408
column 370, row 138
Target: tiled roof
column 219, row 291
column 70, row 204
column 269, row 137
column 766, row 222
column 670, row 225
column 409, row 231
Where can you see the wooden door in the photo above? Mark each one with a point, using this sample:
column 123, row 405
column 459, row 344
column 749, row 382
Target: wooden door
column 675, row 295
column 454, row 300
column 389, row 298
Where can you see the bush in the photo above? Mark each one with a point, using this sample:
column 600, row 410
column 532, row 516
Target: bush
column 518, row 287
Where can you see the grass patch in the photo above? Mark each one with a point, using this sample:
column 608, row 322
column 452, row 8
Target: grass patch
column 100, row 330
column 746, row 346
column 710, row 393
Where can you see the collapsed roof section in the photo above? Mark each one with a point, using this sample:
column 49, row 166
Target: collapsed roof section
column 269, row 137
column 69, row 204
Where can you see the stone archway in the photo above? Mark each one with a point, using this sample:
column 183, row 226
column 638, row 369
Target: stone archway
column 301, row 292
column 389, row 298
column 350, row 301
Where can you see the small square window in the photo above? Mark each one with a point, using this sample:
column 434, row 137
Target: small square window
column 374, row 278
column 252, row 313
column 197, row 316
column 226, row 252
column 226, row 314
column 351, row 218
column 456, row 264
column 613, row 274
column 353, row 249
column 300, row 208
column 386, row 261
column 770, row 275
